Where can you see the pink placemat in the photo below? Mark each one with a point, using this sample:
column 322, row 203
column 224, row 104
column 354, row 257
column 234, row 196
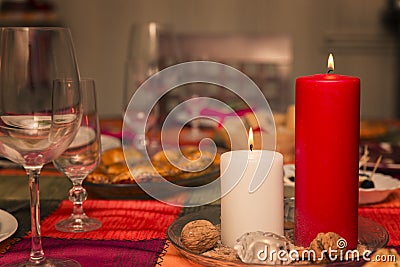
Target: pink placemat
column 91, row 253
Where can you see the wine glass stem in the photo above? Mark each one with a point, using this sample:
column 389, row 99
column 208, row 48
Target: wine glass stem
column 77, row 195
column 37, row 254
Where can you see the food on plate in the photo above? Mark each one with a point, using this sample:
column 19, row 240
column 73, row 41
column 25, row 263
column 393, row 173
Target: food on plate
column 204, row 238
column 364, row 181
column 372, row 129
column 112, row 156
column 170, row 164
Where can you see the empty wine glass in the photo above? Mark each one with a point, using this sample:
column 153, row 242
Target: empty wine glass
column 38, row 121
column 135, row 117
column 152, row 46
column 80, row 159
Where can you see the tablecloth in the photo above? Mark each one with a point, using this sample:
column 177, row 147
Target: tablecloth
column 134, row 233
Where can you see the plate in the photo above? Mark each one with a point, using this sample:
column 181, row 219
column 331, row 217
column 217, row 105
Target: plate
column 113, row 180
column 370, row 233
column 8, row 225
column 384, row 185
column 85, row 135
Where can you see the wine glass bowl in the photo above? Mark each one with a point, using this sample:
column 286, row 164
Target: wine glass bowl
column 80, row 159
column 38, row 121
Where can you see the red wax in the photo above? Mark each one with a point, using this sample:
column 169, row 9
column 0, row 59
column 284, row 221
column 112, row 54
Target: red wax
column 327, row 137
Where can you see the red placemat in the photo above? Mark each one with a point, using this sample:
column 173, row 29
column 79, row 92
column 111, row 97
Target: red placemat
column 121, row 219
column 133, row 234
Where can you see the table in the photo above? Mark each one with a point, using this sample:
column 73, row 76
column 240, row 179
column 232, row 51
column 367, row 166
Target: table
column 133, row 231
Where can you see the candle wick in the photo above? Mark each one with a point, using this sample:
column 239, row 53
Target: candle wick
column 251, row 147
column 330, row 71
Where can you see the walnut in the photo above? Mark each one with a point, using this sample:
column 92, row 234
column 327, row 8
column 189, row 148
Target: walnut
column 325, row 246
column 199, row 236
column 384, row 257
column 222, row 252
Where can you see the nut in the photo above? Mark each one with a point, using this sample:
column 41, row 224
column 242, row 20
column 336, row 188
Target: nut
column 389, row 254
column 326, row 242
column 199, row 236
column 222, row 252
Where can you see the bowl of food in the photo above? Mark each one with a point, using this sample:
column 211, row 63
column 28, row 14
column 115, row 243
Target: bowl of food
column 375, row 188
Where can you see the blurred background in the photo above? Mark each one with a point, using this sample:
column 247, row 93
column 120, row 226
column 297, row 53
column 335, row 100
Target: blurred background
column 273, row 41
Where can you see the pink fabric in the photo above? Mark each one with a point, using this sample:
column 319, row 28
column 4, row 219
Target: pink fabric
column 91, row 253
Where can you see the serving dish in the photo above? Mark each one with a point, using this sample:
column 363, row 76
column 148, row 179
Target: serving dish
column 114, row 180
column 133, row 191
column 371, row 234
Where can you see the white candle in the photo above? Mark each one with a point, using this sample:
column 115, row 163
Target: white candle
column 242, row 209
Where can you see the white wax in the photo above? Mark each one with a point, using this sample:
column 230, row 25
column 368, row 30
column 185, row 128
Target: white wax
column 243, row 211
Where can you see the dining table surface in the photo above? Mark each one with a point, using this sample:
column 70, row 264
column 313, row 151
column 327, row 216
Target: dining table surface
column 134, row 231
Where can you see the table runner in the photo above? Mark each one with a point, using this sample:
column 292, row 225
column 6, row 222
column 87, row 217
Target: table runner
column 134, row 231
column 133, row 234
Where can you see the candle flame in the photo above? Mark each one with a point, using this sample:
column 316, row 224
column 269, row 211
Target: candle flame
column 331, row 63
column 250, row 140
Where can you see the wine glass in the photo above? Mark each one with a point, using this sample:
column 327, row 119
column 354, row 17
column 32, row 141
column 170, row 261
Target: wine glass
column 194, row 108
column 37, row 120
column 151, row 47
column 135, row 117
column 80, row 159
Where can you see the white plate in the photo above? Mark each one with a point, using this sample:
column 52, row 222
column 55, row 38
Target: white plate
column 384, row 185
column 8, row 225
column 108, row 142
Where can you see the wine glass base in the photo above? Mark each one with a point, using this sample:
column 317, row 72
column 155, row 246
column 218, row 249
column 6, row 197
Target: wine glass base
column 47, row 263
column 78, row 225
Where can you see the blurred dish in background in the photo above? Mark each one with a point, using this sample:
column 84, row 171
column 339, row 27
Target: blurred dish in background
column 109, row 142
column 384, row 185
column 372, row 129
column 8, row 224
column 390, row 153
column 114, row 180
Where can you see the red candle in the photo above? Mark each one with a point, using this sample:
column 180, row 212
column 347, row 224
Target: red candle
column 327, row 137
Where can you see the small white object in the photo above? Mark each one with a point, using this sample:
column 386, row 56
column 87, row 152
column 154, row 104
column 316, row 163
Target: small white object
column 108, row 142
column 264, row 248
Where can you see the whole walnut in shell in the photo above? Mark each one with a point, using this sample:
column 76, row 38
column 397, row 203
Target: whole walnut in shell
column 326, row 242
column 199, row 236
